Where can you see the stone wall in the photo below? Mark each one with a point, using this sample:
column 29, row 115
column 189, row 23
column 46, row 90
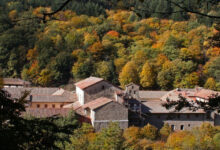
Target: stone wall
column 179, row 121
column 99, row 125
column 47, row 105
column 111, row 112
column 101, row 89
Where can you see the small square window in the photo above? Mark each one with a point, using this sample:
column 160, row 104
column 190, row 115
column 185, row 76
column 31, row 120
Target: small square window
column 45, row 106
column 38, row 105
column 53, row 105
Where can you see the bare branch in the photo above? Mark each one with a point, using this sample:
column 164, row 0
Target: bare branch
column 56, row 11
column 195, row 12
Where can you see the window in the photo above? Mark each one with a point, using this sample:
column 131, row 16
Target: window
column 188, row 125
column 61, row 106
column 53, row 105
column 208, row 115
column 188, row 116
column 38, row 105
column 178, row 116
column 134, row 92
column 173, row 127
column 103, row 87
column 45, row 106
column 132, row 87
column 182, row 127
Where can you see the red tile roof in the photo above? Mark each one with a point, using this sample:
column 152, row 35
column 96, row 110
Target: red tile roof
column 88, row 82
column 205, row 93
column 97, row 103
column 189, row 94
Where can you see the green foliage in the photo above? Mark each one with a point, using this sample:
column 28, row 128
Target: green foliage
column 165, row 131
column 108, row 138
column 107, row 32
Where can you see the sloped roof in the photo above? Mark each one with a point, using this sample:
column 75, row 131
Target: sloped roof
column 152, row 94
column 44, row 94
column 97, row 103
column 88, row 82
column 155, row 106
column 15, row 81
column 46, row 112
column 189, row 94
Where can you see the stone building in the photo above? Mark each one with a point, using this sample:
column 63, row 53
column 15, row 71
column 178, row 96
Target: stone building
column 44, row 97
column 183, row 120
column 97, row 100
column 147, row 107
column 15, row 82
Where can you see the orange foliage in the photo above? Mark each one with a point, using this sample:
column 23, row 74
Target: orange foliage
column 213, row 52
column 32, row 54
column 128, row 28
column 40, row 10
column 113, row 33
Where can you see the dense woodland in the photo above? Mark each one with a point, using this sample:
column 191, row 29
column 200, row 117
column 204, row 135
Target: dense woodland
column 120, row 41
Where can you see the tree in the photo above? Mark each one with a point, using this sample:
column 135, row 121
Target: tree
column 108, row 138
column 128, row 74
column 147, row 77
column 149, row 132
column 210, row 84
column 178, row 140
column 214, row 69
column 81, row 138
column 216, row 140
column 132, row 136
column 165, row 131
column 103, row 70
column 211, row 105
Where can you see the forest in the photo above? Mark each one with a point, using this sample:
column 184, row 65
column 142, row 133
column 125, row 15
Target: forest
column 119, row 41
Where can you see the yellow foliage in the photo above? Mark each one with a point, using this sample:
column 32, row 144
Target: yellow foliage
column 147, row 77
column 210, row 84
column 40, row 10
column 13, row 14
column 176, row 140
column 120, row 16
column 119, row 63
column 32, row 54
column 128, row 74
